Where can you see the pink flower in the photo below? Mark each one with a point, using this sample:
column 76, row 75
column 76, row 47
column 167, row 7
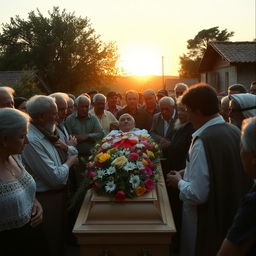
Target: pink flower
column 152, row 165
column 148, row 170
column 146, row 145
column 98, row 164
column 120, row 195
column 90, row 165
column 149, row 184
column 133, row 156
column 95, row 186
column 90, row 174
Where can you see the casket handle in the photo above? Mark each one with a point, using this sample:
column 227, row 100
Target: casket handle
column 144, row 252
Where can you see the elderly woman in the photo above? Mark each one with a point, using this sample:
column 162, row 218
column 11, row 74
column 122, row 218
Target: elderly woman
column 20, row 211
column 241, row 238
column 241, row 106
column 127, row 124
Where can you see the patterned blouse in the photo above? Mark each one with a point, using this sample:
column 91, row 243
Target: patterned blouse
column 16, row 199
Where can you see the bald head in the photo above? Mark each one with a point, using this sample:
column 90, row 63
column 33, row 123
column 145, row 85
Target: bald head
column 6, row 97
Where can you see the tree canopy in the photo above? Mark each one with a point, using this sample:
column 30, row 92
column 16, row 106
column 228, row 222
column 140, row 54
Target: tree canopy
column 63, row 48
column 196, row 48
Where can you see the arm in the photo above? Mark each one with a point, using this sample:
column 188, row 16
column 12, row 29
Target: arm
column 153, row 130
column 97, row 132
column 194, row 187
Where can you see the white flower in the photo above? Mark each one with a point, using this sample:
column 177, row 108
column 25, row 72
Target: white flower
column 129, row 166
column 107, row 138
column 110, row 186
column 140, row 145
column 100, row 173
column 145, row 155
column 111, row 170
column 140, row 165
column 106, row 145
column 135, row 180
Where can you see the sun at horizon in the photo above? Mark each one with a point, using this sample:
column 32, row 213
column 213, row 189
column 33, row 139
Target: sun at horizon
column 141, row 60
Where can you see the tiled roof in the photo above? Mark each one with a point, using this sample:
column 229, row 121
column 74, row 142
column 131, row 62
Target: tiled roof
column 235, row 52
column 12, row 77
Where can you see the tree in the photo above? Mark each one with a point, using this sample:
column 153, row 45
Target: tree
column 63, row 48
column 196, row 48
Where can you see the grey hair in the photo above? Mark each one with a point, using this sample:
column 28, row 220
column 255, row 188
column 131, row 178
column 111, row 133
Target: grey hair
column 99, row 96
column 7, row 89
column 248, row 136
column 13, row 121
column 167, row 99
column 149, row 92
column 60, row 95
column 81, row 97
column 39, row 104
column 126, row 114
column 181, row 85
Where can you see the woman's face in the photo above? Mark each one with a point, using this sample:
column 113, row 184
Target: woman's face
column 15, row 144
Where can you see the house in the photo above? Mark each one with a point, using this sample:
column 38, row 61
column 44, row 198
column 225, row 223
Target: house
column 14, row 78
column 227, row 63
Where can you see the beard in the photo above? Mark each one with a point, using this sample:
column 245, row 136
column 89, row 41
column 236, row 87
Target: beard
column 50, row 127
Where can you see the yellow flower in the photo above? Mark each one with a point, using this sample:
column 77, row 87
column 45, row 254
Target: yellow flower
column 104, row 157
column 150, row 154
column 145, row 162
column 144, row 136
column 140, row 190
column 119, row 161
column 97, row 156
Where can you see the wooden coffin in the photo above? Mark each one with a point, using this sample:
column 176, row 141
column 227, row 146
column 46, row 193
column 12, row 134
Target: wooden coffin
column 139, row 226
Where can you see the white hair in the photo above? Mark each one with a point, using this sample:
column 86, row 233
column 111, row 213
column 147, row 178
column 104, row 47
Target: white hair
column 181, row 85
column 248, row 137
column 99, row 96
column 167, row 99
column 60, row 95
column 7, row 89
column 39, row 104
column 82, row 97
column 13, row 121
column 149, row 92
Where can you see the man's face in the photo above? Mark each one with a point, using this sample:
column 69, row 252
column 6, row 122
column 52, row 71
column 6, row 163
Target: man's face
column 99, row 104
column 6, row 100
column 179, row 91
column 62, row 109
column 51, row 118
column 126, row 123
column 132, row 100
column 235, row 114
column 112, row 100
column 166, row 110
column 150, row 100
column 82, row 108
column 70, row 108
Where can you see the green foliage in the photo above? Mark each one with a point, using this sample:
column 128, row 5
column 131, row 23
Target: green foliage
column 196, row 48
column 63, row 48
column 27, row 87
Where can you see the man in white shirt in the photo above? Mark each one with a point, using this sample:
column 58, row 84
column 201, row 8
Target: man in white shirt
column 214, row 182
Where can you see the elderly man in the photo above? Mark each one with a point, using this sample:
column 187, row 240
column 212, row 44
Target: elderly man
column 49, row 166
column 84, row 126
column 179, row 89
column 163, row 126
column 253, row 88
column 236, row 89
column 112, row 106
column 106, row 118
column 6, row 97
column 142, row 118
column 209, row 188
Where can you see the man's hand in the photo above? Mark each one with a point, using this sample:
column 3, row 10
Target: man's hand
column 61, row 145
column 81, row 137
column 173, row 178
column 72, row 141
column 164, row 143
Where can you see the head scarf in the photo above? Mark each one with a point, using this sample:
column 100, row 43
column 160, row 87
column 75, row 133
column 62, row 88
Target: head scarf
column 247, row 102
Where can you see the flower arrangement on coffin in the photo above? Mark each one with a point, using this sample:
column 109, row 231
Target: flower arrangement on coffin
column 124, row 166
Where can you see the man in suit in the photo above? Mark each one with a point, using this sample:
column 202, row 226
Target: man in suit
column 163, row 124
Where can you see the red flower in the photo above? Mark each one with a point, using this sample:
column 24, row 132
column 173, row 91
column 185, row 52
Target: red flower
column 98, row 164
column 90, row 174
column 148, row 170
column 149, row 184
column 120, row 195
column 133, row 156
column 90, row 165
column 125, row 143
column 95, row 186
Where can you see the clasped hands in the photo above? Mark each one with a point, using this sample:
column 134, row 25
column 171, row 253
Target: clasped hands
column 173, row 178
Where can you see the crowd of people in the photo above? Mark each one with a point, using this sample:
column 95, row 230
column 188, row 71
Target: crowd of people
column 46, row 141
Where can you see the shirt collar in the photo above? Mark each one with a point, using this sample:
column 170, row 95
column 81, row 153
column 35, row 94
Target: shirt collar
column 76, row 116
column 216, row 120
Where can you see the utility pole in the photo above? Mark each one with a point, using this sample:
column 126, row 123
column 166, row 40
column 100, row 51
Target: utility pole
column 163, row 72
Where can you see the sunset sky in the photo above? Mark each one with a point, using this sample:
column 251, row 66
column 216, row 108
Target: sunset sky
column 146, row 30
